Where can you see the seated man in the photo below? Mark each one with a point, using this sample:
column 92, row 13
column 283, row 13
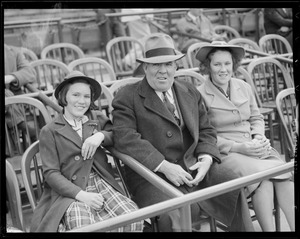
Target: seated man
column 163, row 124
column 196, row 23
column 279, row 21
column 18, row 73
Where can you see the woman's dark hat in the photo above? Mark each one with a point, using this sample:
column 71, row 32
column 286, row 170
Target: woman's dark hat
column 77, row 75
column 202, row 53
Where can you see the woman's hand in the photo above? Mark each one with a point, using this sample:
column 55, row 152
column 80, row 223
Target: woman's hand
column 254, row 148
column 94, row 200
column 91, row 144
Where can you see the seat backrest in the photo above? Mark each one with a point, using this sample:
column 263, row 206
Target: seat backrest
column 274, row 44
column 191, row 53
column 105, row 100
column 230, row 31
column 243, row 74
column 24, row 118
column 32, row 175
column 94, row 67
column 122, row 53
column 29, row 54
column 63, row 52
column 286, row 106
column 49, row 73
column 190, row 76
column 14, row 197
column 269, row 77
column 117, row 85
column 247, row 44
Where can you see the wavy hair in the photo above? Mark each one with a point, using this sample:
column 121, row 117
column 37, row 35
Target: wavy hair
column 204, row 66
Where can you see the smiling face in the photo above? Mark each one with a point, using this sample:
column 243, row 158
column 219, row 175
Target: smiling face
column 160, row 76
column 221, row 67
column 78, row 99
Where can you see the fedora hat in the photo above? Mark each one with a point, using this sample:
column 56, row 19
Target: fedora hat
column 77, row 75
column 203, row 52
column 159, row 48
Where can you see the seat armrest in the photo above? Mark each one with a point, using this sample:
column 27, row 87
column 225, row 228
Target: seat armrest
column 150, row 176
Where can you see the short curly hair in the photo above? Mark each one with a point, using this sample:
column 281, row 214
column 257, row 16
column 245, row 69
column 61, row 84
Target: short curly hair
column 204, row 66
column 62, row 101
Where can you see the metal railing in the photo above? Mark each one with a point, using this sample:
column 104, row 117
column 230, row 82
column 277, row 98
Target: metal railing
column 182, row 202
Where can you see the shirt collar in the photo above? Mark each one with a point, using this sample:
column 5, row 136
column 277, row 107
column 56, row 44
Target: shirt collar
column 169, row 94
column 74, row 122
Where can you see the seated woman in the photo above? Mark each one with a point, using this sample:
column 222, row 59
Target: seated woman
column 79, row 186
column 233, row 111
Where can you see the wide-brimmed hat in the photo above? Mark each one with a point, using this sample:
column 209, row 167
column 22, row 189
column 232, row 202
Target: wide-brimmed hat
column 203, row 52
column 77, row 75
column 159, row 48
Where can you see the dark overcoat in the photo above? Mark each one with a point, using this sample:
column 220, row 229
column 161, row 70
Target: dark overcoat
column 146, row 131
column 65, row 171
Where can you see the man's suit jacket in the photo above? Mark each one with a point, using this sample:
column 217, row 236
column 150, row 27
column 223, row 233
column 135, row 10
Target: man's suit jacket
column 146, row 131
column 17, row 65
column 275, row 18
column 65, row 171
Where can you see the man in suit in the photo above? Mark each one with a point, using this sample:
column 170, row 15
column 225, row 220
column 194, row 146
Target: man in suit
column 163, row 124
column 279, row 21
column 196, row 23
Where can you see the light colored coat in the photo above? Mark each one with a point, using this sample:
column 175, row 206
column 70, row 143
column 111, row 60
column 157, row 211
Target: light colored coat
column 65, row 171
column 237, row 120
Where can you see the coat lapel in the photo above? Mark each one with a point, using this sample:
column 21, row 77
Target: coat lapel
column 88, row 128
column 153, row 102
column 64, row 129
column 219, row 101
column 238, row 97
column 187, row 106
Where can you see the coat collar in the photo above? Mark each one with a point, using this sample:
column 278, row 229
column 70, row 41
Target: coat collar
column 237, row 96
column 185, row 101
column 64, row 129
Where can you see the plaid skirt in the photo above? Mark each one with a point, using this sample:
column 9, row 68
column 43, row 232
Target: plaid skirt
column 80, row 214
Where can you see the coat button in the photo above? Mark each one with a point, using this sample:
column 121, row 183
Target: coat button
column 234, row 111
column 169, row 134
column 74, row 177
column 247, row 135
column 77, row 157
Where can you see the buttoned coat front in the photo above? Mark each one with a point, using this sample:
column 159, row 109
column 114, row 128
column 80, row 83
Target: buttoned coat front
column 238, row 120
column 144, row 129
column 65, row 171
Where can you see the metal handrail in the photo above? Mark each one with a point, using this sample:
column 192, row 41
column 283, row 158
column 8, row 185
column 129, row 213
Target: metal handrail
column 187, row 199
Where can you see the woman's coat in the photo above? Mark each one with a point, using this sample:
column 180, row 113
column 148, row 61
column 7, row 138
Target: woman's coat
column 65, row 171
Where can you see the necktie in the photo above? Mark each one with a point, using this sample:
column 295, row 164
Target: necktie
column 170, row 107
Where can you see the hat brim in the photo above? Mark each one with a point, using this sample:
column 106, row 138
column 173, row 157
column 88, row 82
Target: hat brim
column 160, row 59
column 94, row 84
column 202, row 53
column 139, row 71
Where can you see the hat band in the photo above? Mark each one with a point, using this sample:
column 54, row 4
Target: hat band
column 160, row 52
